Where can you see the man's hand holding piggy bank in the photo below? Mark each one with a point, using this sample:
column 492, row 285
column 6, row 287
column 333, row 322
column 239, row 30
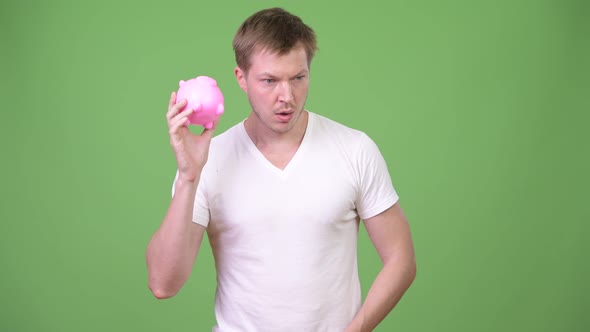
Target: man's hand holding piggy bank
column 198, row 101
column 204, row 98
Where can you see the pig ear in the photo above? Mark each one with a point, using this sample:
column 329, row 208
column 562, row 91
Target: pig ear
column 220, row 109
column 181, row 83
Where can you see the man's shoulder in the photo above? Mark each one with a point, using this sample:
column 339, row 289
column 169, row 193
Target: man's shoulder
column 231, row 134
column 335, row 129
column 225, row 145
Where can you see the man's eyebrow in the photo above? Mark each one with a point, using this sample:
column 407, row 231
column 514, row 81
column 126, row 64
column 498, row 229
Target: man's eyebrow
column 302, row 72
column 265, row 74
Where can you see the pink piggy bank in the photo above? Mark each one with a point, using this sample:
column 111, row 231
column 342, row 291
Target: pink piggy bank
column 204, row 97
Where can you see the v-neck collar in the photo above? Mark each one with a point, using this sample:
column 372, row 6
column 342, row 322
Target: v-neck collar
column 253, row 149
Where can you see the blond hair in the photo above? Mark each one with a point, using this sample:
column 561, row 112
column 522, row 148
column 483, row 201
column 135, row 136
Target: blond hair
column 274, row 30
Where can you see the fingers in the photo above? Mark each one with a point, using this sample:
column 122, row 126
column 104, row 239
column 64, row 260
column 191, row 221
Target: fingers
column 179, row 120
column 172, row 99
column 180, row 123
column 174, row 107
column 177, row 117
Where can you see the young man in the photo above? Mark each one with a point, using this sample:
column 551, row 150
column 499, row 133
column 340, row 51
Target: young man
column 280, row 196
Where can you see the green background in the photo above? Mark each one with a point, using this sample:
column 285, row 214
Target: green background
column 479, row 107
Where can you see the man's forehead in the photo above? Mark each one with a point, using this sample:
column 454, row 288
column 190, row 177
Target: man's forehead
column 267, row 51
column 270, row 60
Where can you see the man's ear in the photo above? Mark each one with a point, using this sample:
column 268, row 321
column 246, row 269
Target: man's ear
column 241, row 78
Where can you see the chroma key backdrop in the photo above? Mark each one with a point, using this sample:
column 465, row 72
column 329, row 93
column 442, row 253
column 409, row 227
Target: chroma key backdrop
column 480, row 109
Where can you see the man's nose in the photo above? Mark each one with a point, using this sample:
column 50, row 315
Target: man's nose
column 285, row 92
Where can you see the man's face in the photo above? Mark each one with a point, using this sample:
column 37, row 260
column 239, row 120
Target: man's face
column 277, row 89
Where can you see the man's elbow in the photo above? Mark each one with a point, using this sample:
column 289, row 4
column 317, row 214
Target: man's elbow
column 412, row 271
column 407, row 269
column 162, row 293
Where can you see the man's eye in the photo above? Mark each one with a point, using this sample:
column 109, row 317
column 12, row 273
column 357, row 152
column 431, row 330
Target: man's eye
column 269, row 81
column 299, row 78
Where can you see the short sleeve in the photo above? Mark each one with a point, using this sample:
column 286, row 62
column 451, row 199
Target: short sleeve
column 201, row 206
column 375, row 190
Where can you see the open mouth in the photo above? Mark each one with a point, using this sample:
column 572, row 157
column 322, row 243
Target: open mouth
column 284, row 116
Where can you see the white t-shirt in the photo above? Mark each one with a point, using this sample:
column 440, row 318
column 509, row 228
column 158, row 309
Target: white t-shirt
column 285, row 241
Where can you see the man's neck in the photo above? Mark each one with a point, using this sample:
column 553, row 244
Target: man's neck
column 265, row 138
